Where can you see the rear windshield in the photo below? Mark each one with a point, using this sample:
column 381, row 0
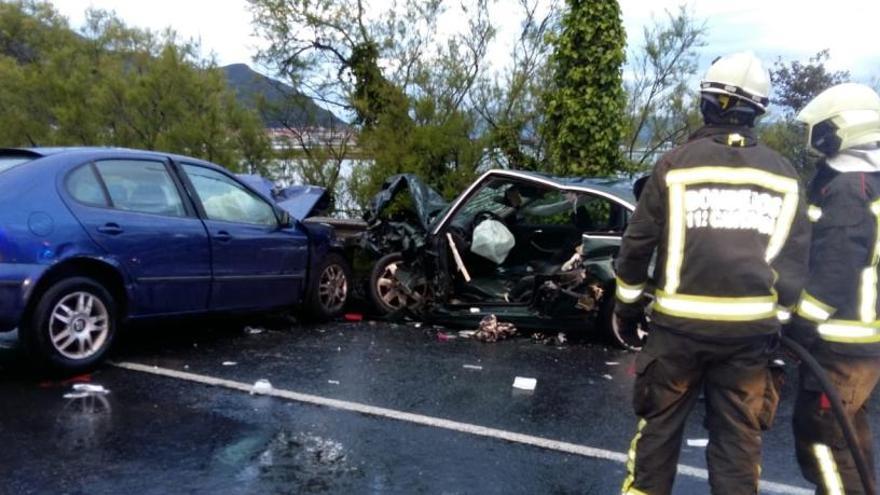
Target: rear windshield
column 7, row 162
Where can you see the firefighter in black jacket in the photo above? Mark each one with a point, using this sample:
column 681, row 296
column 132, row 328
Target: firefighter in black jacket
column 836, row 318
column 728, row 222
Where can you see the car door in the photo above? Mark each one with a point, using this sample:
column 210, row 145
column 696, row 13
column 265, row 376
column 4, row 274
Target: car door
column 256, row 262
column 133, row 209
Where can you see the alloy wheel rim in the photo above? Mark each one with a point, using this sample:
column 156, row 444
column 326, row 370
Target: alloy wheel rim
column 79, row 325
column 333, row 288
column 390, row 292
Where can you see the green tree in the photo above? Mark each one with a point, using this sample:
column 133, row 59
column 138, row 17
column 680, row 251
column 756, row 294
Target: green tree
column 114, row 85
column 584, row 109
column 509, row 103
column 407, row 91
column 794, row 84
column 662, row 104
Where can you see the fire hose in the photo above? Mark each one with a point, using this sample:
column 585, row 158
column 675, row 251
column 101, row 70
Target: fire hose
column 837, row 408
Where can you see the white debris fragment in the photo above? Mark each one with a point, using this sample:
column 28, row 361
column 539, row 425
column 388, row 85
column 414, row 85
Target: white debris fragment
column 466, row 333
column 778, row 362
column 608, row 377
column 697, row 442
column 229, row 363
column 561, row 338
column 472, row 367
column 523, row 383
column 475, row 310
column 261, row 386
column 253, row 330
column 333, row 382
column 417, row 325
column 611, row 363
column 90, row 388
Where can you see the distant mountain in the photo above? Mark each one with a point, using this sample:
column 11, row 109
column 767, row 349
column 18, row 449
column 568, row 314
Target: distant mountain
column 284, row 103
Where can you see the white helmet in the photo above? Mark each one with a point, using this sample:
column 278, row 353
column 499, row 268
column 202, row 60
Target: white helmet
column 740, row 75
column 841, row 117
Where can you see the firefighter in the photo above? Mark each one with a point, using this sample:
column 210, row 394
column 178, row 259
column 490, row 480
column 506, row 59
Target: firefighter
column 728, row 222
column 836, row 318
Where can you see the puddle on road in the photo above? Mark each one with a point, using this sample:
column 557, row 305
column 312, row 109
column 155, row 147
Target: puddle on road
column 290, row 462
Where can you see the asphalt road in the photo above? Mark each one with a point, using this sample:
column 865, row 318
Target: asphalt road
column 354, row 408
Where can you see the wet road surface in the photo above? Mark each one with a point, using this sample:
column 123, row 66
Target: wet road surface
column 160, row 434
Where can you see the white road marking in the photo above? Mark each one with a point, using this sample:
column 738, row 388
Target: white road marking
column 471, row 429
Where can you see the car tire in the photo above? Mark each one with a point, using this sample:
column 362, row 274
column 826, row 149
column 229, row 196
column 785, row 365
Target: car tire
column 611, row 324
column 329, row 289
column 385, row 294
column 71, row 327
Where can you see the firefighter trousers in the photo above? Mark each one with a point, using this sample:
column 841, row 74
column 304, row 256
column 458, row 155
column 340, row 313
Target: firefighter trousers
column 822, row 451
column 671, row 371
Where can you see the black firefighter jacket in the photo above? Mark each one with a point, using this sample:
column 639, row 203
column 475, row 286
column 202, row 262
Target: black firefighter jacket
column 841, row 294
column 727, row 217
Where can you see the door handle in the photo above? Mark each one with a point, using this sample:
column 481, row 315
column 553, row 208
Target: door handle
column 223, row 236
column 110, row 229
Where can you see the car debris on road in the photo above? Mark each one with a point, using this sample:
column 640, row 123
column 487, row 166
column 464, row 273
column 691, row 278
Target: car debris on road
column 492, row 330
column 524, row 383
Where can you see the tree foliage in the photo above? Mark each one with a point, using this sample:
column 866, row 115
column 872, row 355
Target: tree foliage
column 111, row 84
column 584, row 108
column 509, row 103
column 407, row 89
column 794, row 84
column 662, row 104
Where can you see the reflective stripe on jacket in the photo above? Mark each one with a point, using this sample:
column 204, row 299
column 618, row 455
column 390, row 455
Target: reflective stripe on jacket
column 727, row 218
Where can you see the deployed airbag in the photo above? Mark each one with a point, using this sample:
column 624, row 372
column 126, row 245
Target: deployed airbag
column 492, row 240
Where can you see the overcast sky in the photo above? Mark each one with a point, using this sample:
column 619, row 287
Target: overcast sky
column 771, row 28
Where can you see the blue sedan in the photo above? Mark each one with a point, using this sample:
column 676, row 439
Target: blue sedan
column 91, row 238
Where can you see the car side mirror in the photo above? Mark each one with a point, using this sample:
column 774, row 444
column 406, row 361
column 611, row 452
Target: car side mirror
column 285, row 221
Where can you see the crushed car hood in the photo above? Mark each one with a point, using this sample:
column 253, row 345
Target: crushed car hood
column 300, row 201
column 425, row 200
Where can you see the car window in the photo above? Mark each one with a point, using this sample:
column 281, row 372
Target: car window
column 495, row 197
column 225, row 199
column 598, row 214
column 84, row 186
column 142, row 186
column 552, row 207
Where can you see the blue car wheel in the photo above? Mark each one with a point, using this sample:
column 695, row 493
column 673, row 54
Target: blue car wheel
column 71, row 326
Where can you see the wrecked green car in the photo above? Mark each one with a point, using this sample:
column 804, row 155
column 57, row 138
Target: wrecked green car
column 533, row 249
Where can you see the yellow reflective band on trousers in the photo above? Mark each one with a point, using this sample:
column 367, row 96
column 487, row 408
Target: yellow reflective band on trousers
column 715, row 308
column 830, row 475
column 814, row 213
column 850, row 331
column 628, row 293
column 813, row 309
column 628, row 488
column 677, row 182
column 868, row 287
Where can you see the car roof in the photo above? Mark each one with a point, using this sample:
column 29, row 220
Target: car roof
column 43, row 152
column 619, row 187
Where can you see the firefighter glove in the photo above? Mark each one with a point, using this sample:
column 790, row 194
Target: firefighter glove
column 629, row 325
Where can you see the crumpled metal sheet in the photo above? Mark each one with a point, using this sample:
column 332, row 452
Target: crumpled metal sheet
column 301, row 201
column 492, row 330
column 426, row 201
